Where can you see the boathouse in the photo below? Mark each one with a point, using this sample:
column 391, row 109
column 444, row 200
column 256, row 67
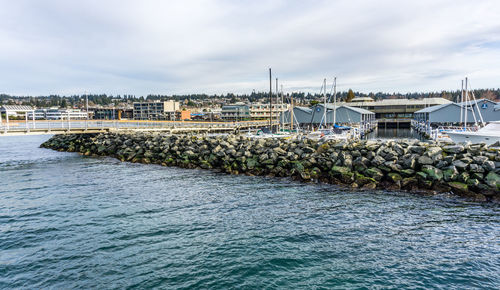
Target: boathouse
column 343, row 115
column 447, row 114
column 485, row 107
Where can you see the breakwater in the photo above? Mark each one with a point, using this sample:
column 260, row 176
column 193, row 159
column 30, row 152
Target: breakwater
column 467, row 170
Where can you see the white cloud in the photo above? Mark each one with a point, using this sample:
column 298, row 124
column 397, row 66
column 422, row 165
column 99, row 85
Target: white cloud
column 169, row 47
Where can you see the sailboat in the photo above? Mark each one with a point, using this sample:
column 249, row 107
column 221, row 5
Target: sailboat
column 336, row 132
column 488, row 134
column 272, row 131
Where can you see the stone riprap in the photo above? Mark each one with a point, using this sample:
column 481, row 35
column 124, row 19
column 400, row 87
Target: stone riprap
column 467, row 170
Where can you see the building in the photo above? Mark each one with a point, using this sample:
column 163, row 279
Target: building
column 394, row 108
column 260, row 111
column 235, row 112
column 444, row 114
column 155, row 110
column 343, row 115
column 451, row 113
column 58, row 114
column 485, row 107
column 183, row 115
column 112, row 113
column 362, row 99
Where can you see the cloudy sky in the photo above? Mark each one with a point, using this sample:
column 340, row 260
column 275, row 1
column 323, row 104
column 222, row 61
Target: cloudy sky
column 169, row 47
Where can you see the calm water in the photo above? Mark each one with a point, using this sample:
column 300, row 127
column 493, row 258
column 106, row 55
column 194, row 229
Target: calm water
column 392, row 133
column 68, row 221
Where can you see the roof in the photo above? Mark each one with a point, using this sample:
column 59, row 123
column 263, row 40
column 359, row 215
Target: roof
column 435, row 108
column 362, row 99
column 17, row 108
column 356, row 109
column 304, row 109
column 359, row 110
column 395, row 102
column 476, row 101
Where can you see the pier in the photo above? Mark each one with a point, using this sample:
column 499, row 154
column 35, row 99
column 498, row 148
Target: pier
column 97, row 126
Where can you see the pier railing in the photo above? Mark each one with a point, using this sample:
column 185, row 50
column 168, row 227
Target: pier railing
column 439, row 132
column 76, row 126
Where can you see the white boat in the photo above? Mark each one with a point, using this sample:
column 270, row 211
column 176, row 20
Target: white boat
column 329, row 134
column 489, row 134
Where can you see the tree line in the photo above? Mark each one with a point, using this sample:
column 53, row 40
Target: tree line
column 193, row 99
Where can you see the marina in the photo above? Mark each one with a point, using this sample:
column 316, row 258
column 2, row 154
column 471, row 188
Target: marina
column 249, row 144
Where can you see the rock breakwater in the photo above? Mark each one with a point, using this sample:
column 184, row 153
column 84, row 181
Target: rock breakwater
column 467, row 170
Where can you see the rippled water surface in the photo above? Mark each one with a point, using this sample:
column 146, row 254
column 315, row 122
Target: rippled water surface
column 69, row 221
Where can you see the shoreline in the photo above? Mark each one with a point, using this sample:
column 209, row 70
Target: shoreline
column 471, row 171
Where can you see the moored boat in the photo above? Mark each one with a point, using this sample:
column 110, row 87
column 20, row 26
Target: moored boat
column 489, row 134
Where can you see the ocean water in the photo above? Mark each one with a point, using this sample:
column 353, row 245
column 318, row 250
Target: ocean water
column 70, row 221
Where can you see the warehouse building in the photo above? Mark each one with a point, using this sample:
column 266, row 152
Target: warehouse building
column 448, row 114
column 344, row 115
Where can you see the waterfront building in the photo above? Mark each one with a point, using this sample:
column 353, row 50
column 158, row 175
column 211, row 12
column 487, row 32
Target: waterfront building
column 394, row 108
column 155, row 110
column 443, row 114
column 485, row 107
column 343, row 115
column 450, row 113
column 55, row 113
column 183, row 115
column 260, row 111
column 112, row 113
column 235, row 112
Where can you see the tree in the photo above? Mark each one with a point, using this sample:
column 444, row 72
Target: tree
column 350, row 96
column 313, row 103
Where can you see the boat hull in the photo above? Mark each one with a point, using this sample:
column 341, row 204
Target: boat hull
column 474, row 138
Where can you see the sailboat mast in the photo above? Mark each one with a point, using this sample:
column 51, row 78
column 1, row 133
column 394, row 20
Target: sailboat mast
column 282, row 112
column 270, row 100
column 324, row 97
column 291, row 112
column 334, row 101
column 462, row 102
column 277, row 102
column 466, row 103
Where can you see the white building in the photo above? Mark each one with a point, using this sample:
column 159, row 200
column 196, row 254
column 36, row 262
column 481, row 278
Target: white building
column 261, row 110
column 58, row 114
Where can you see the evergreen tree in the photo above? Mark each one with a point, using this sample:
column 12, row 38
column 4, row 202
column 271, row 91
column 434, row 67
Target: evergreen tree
column 350, row 96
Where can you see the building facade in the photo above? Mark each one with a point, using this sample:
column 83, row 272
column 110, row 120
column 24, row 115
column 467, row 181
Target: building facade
column 58, row 114
column 155, row 110
column 344, row 115
column 261, row 111
column 394, row 108
column 451, row 113
column 238, row 112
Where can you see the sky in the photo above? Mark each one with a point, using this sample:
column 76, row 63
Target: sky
column 185, row 47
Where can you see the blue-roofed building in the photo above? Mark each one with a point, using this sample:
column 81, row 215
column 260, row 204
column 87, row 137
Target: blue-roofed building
column 344, row 115
column 450, row 113
column 485, row 107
